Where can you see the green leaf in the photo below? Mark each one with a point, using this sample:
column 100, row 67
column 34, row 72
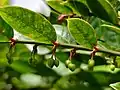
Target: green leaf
column 2, row 85
column 96, row 24
column 5, row 29
column 19, row 83
column 83, row 32
column 53, row 17
column 22, row 67
column 84, row 81
column 83, row 1
column 105, row 68
column 29, row 23
column 115, row 86
column 59, row 6
column 116, row 4
column 78, row 7
column 110, row 35
column 103, row 9
column 4, row 2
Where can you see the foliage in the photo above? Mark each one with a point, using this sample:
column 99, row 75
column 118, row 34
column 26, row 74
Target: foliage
column 76, row 47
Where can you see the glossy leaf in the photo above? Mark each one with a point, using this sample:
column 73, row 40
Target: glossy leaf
column 53, row 17
column 5, row 29
column 115, row 86
column 3, row 2
column 29, row 23
column 78, row 7
column 83, row 1
column 83, row 32
column 103, row 9
column 59, row 6
column 110, row 37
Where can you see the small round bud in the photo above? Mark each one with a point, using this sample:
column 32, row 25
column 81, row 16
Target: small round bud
column 32, row 61
column 50, row 62
column 67, row 62
column 91, row 63
column 112, row 67
column 56, row 62
column 71, row 66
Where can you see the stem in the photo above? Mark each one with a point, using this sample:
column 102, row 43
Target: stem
column 78, row 47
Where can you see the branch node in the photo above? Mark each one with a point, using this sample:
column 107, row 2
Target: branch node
column 95, row 49
column 13, row 42
column 62, row 17
column 55, row 43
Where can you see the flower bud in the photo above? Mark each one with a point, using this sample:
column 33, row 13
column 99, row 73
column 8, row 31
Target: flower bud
column 71, row 66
